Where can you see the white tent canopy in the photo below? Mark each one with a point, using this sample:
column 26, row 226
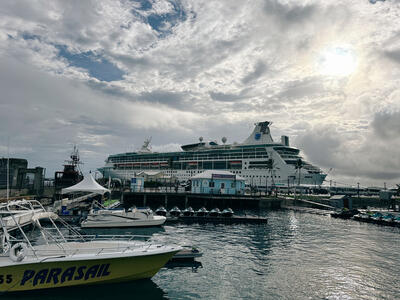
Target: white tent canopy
column 88, row 184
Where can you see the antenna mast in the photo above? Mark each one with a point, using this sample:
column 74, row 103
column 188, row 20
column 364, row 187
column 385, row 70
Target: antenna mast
column 8, row 168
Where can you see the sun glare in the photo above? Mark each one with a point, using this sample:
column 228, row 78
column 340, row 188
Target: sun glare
column 338, row 61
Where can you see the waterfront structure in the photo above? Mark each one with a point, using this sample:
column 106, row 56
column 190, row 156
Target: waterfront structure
column 217, row 182
column 20, row 176
column 155, row 176
column 137, row 184
column 259, row 160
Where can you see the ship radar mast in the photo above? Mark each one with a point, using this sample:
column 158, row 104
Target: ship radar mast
column 75, row 159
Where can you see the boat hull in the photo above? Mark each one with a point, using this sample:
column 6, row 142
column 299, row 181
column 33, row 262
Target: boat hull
column 57, row 274
column 156, row 221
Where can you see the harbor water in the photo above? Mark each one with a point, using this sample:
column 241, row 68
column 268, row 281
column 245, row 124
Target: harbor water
column 294, row 256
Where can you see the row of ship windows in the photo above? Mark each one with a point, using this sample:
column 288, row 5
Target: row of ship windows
column 194, row 158
column 235, row 172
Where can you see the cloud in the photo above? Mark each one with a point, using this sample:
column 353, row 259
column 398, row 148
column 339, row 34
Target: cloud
column 386, row 125
column 107, row 74
column 259, row 69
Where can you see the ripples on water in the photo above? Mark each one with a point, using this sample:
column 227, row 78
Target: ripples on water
column 294, row 256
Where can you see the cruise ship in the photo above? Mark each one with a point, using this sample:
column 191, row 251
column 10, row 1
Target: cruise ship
column 259, row 159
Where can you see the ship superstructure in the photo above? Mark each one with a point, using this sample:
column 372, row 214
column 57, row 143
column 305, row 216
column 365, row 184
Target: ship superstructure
column 260, row 160
column 71, row 173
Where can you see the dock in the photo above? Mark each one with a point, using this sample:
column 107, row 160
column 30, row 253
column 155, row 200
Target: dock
column 309, row 210
column 219, row 220
column 185, row 199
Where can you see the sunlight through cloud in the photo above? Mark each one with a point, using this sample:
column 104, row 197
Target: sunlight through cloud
column 337, row 61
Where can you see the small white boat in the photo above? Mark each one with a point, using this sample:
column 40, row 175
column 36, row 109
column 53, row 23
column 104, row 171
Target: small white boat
column 202, row 212
column 133, row 217
column 161, row 211
column 227, row 212
column 215, row 212
column 187, row 253
column 188, row 212
column 20, row 213
column 57, row 260
column 175, row 212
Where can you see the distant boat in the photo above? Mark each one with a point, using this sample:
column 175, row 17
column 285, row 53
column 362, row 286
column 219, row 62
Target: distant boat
column 376, row 217
column 227, row 212
column 188, row 212
column 202, row 212
column 161, row 211
column 388, row 219
column 175, row 212
column 214, row 212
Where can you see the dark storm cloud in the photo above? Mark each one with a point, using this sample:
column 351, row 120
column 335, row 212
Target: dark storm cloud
column 172, row 99
column 386, row 125
column 301, row 88
column 289, row 13
column 321, row 144
column 393, row 55
column 225, row 97
column 259, row 69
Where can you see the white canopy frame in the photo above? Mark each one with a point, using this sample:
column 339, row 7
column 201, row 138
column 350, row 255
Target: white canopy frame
column 88, row 184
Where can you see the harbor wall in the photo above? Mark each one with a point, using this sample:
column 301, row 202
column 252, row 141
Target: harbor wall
column 196, row 201
column 357, row 203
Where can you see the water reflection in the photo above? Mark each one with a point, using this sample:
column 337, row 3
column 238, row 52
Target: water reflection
column 141, row 289
column 194, row 265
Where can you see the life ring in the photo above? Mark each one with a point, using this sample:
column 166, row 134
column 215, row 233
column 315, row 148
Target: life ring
column 18, row 252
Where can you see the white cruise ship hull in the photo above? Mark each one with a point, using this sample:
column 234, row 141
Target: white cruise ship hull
column 260, row 160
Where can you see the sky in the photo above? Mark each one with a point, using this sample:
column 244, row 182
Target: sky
column 106, row 75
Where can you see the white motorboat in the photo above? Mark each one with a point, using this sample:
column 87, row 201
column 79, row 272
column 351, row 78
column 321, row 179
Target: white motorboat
column 56, row 260
column 133, row 217
column 20, row 213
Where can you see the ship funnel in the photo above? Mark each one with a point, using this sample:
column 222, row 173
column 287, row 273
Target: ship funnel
column 260, row 135
column 285, row 140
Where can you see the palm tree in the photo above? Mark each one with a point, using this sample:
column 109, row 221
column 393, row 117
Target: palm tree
column 270, row 167
column 298, row 166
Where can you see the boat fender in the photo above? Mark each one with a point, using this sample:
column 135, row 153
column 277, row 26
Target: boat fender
column 5, row 244
column 18, row 252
